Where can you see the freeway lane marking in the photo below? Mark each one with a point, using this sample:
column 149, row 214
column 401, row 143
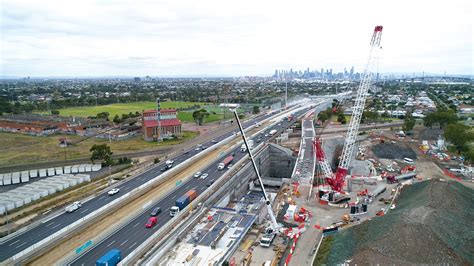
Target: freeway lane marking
column 186, row 187
column 21, row 244
column 102, row 197
column 15, row 242
column 56, row 226
column 133, row 245
column 84, row 210
column 123, row 243
column 111, row 243
column 49, row 224
column 136, row 224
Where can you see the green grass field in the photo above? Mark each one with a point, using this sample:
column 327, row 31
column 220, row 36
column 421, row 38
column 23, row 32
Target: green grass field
column 20, row 148
column 120, row 108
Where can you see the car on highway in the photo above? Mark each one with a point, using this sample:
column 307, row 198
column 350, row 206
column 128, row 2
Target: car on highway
column 164, row 168
column 211, row 181
column 155, row 211
column 203, row 147
column 186, row 152
column 151, row 222
column 113, row 191
column 229, row 166
column 214, row 141
column 197, row 174
column 259, row 140
column 266, row 135
column 204, row 176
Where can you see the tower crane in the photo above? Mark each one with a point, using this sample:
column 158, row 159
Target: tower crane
column 336, row 180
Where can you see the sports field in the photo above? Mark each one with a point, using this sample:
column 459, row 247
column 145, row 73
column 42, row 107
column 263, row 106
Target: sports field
column 216, row 113
column 121, row 108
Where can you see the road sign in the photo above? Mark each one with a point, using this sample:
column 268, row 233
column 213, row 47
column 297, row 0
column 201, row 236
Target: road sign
column 179, row 182
column 84, row 246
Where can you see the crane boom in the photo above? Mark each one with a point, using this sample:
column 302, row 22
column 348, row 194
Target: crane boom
column 336, row 181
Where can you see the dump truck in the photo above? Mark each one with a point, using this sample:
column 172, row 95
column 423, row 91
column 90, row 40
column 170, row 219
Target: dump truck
column 183, row 201
column 110, row 258
column 225, row 162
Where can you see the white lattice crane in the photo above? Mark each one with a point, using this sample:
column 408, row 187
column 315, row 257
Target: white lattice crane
column 336, row 180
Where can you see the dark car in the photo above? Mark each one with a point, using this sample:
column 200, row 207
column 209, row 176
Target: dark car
column 210, row 182
column 155, row 211
column 164, row 168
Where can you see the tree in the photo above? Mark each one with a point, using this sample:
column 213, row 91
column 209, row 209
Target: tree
column 256, row 109
column 323, row 116
column 101, row 152
column 409, row 123
column 369, row 116
column 103, row 115
column 199, row 116
column 54, row 112
column 459, row 135
column 341, row 118
column 442, row 117
column 117, row 119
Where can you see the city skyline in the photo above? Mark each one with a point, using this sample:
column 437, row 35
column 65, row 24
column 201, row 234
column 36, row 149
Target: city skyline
column 229, row 39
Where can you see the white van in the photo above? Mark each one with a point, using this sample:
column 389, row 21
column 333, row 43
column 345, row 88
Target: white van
column 408, row 160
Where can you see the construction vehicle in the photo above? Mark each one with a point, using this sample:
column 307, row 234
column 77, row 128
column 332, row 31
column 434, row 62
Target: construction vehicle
column 408, row 168
column 336, row 180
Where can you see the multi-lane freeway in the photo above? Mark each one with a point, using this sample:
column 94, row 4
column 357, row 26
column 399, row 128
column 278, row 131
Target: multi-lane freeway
column 134, row 233
column 26, row 239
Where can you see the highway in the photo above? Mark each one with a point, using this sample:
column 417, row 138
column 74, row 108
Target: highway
column 134, row 233
column 18, row 243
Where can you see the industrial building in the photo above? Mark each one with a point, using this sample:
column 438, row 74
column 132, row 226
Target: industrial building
column 169, row 123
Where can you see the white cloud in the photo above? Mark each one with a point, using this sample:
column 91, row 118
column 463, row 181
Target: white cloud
column 243, row 37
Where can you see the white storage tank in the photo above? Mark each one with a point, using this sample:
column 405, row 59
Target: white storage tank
column 25, row 176
column 96, row 167
column 82, row 168
column 67, row 169
column 59, row 170
column 34, row 173
column 51, row 172
column 74, row 169
column 16, row 178
column 43, row 172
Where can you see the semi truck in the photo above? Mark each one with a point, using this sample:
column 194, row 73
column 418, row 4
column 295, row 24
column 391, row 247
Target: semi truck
column 250, row 143
column 225, row 162
column 110, row 258
column 74, row 206
column 183, row 201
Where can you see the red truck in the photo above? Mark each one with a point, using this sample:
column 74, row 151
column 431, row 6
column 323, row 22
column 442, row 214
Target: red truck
column 226, row 162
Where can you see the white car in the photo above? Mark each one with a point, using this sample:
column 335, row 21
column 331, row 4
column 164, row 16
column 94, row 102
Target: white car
column 113, row 191
column 197, row 174
column 203, row 176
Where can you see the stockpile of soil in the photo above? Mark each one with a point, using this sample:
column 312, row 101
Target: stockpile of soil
column 393, row 151
column 432, row 224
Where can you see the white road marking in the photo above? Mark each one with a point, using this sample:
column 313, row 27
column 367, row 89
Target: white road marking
column 136, row 224
column 111, row 243
column 186, row 187
column 123, row 243
column 84, row 210
column 56, row 226
column 133, row 245
column 102, row 197
column 21, row 244
column 15, row 242
column 49, row 224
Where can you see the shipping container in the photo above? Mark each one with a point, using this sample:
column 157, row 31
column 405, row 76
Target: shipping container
column 34, row 194
column 43, row 172
column 9, row 205
column 88, row 167
column 74, row 169
column 59, row 170
column 183, row 201
column 7, row 179
column 67, row 169
column 96, row 167
column 1, row 179
column 34, row 173
column 51, row 172
column 25, row 176
column 82, row 168
column 16, row 178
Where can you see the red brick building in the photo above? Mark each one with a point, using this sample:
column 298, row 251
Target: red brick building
column 170, row 125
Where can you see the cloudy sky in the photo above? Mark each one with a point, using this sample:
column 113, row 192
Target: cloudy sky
column 231, row 38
